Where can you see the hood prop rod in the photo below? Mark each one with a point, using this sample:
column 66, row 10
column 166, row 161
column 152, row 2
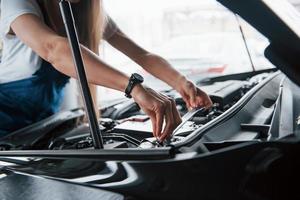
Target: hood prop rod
column 245, row 41
column 69, row 22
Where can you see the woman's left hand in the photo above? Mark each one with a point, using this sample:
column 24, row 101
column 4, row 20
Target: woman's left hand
column 193, row 96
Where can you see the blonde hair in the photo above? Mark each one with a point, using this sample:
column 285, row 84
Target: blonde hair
column 89, row 18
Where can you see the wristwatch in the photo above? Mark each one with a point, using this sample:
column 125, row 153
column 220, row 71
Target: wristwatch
column 133, row 81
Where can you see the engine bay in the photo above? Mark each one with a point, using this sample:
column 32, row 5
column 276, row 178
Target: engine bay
column 125, row 125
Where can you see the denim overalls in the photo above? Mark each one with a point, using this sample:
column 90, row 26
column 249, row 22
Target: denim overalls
column 27, row 101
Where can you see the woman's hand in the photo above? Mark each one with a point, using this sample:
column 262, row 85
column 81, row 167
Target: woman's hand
column 192, row 95
column 161, row 110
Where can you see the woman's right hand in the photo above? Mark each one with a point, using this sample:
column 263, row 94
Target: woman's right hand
column 161, row 110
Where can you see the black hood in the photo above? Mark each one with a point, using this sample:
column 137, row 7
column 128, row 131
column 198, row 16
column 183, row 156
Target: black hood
column 280, row 23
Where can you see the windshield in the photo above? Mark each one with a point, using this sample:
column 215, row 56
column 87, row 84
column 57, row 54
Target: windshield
column 199, row 38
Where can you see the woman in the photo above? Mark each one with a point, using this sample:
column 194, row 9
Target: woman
column 37, row 63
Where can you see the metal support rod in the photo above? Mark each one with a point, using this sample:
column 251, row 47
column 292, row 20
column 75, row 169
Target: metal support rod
column 67, row 15
column 245, row 42
column 105, row 155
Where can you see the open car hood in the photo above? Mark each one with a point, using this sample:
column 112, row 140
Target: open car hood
column 280, row 23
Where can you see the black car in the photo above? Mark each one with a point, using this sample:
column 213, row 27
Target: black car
column 245, row 147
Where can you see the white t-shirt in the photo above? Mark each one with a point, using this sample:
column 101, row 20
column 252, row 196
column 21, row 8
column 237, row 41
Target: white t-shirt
column 18, row 60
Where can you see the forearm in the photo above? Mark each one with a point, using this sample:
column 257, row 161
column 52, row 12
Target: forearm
column 56, row 50
column 98, row 72
column 152, row 63
column 160, row 68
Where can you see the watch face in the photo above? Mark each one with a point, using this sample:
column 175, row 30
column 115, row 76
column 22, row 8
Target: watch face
column 138, row 77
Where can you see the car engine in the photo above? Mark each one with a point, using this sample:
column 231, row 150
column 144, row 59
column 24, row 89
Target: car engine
column 125, row 125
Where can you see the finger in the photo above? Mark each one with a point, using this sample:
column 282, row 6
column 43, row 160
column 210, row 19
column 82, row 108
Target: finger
column 200, row 102
column 176, row 114
column 152, row 116
column 166, row 109
column 204, row 99
column 186, row 100
column 159, row 114
column 167, row 113
column 176, row 119
column 208, row 105
column 154, row 128
column 192, row 95
column 170, row 125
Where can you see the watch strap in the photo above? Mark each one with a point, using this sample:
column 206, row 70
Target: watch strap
column 133, row 81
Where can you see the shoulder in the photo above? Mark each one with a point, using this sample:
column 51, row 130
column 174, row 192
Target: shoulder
column 11, row 9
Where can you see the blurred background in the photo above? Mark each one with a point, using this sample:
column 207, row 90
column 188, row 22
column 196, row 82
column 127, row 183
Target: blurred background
column 199, row 38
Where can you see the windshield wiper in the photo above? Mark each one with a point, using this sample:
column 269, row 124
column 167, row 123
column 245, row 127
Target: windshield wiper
column 66, row 12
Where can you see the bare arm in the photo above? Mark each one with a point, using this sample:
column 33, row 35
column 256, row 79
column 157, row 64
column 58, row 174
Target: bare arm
column 152, row 63
column 55, row 49
column 160, row 68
